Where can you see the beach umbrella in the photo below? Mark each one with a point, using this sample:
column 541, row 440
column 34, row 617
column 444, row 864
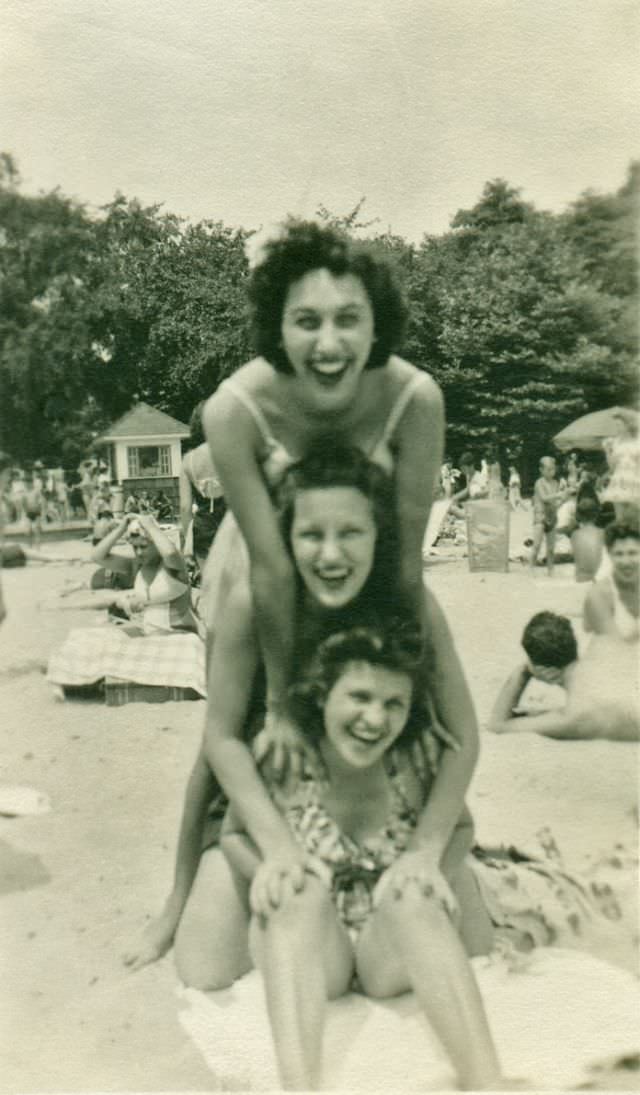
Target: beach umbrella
column 591, row 430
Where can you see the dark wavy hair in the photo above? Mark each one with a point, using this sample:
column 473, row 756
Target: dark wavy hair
column 328, row 463
column 621, row 530
column 307, row 246
column 397, row 647
column 549, row 639
column 196, row 429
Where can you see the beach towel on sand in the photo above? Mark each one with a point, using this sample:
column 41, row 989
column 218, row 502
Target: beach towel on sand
column 554, row 1018
column 89, row 654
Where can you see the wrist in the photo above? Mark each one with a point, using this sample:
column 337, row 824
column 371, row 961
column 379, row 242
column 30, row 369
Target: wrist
column 277, row 703
column 429, row 847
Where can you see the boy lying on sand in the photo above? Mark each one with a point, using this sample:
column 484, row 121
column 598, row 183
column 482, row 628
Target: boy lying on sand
column 601, row 687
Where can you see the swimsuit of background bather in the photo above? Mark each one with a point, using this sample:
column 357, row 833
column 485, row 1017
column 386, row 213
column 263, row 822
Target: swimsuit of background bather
column 349, row 868
column 627, row 624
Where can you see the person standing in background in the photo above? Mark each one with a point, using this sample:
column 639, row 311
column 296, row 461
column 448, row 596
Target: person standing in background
column 5, row 476
column 623, row 457
column 547, row 497
column 515, row 496
column 587, row 541
column 34, row 502
column 202, row 504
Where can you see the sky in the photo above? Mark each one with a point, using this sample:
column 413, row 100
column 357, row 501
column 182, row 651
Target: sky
column 245, row 110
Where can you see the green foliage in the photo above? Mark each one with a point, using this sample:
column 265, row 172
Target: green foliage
column 525, row 318
column 508, row 315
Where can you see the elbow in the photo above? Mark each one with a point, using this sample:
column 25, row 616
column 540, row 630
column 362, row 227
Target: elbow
column 268, row 578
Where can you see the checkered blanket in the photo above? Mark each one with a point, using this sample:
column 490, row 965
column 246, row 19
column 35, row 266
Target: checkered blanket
column 91, row 654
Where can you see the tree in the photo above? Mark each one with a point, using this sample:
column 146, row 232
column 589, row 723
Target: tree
column 45, row 247
column 506, row 315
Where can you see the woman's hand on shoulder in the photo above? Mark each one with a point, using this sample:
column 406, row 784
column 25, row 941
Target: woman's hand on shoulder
column 281, row 750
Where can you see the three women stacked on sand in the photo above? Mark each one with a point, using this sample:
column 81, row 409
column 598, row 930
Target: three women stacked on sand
column 339, row 724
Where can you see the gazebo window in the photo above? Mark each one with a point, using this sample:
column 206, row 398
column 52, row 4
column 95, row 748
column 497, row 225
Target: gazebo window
column 148, row 461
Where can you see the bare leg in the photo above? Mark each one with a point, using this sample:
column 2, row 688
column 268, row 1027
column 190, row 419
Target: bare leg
column 410, row 943
column 550, row 541
column 211, row 944
column 538, row 533
column 306, row 958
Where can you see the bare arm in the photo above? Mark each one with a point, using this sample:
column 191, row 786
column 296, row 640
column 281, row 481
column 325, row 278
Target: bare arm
column 186, row 502
column 102, row 553
column 509, row 695
column 454, row 707
column 234, row 443
column 552, row 724
column 199, row 794
column 598, row 612
column 165, row 547
column 233, row 666
column 420, row 440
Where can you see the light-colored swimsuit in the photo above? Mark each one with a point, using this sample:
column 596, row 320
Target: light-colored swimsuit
column 627, row 625
column 229, row 557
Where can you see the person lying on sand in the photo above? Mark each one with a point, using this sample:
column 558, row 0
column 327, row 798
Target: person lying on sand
column 601, row 700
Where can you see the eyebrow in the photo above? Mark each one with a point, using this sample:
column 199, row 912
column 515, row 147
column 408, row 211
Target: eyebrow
column 302, row 309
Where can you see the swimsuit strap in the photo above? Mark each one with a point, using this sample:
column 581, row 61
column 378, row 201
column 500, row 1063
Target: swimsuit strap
column 627, row 624
column 404, row 397
column 254, row 410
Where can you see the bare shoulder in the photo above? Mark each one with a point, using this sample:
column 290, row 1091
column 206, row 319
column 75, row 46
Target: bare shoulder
column 224, row 414
column 600, row 594
column 400, row 372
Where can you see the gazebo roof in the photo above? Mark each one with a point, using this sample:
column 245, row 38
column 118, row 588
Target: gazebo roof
column 145, row 421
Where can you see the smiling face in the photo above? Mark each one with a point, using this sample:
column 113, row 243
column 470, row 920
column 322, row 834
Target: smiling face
column 625, row 560
column 327, row 334
column 144, row 550
column 333, row 540
column 365, row 712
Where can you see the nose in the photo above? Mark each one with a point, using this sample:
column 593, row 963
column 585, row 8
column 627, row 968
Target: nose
column 326, row 338
column 330, row 551
column 376, row 715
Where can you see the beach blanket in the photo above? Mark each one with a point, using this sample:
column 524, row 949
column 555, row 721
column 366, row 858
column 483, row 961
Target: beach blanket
column 554, row 1018
column 90, row 654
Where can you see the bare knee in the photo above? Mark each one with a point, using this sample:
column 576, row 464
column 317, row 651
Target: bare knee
column 202, row 963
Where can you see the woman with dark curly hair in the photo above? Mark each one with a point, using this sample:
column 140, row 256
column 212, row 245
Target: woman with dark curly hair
column 327, row 319
column 353, row 819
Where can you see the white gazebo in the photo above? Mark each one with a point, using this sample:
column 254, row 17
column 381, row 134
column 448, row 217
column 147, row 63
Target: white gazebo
column 145, row 450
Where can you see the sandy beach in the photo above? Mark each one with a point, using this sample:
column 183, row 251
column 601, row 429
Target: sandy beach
column 79, row 881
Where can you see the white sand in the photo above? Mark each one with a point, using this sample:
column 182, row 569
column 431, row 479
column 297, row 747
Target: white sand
column 79, row 881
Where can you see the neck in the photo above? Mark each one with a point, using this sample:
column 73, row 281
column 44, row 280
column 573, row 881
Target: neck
column 357, row 781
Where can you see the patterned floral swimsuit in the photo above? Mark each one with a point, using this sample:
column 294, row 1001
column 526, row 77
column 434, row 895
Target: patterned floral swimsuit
column 349, row 868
